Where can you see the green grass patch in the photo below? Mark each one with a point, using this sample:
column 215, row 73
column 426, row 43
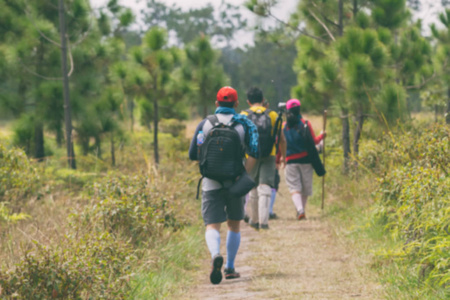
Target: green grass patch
column 178, row 259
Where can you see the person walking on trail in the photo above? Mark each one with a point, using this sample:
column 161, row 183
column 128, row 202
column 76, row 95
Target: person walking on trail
column 299, row 170
column 219, row 144
column 263, row 173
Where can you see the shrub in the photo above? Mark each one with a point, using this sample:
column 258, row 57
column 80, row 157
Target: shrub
column 91, row 267
column 18, row 177
column 7, row 217
column 413, row 201
column 173, row 126
column 129, row 207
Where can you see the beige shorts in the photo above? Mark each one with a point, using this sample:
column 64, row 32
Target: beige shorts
column 299, row 178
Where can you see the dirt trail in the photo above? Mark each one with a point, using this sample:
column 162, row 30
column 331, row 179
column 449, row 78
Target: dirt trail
column 292, row 260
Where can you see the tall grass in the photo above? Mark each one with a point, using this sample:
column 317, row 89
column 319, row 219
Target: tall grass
column 99, row 232
column 395, row 208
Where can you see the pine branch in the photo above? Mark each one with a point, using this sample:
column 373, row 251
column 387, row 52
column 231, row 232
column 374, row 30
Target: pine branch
column 40, row 32
column 39, row 75
column 70, row 58
column 323, row 25
column 269, row 13
column 421, row 85
column 325, row 17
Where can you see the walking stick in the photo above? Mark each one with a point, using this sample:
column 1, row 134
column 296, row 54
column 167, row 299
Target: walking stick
column 323, row 149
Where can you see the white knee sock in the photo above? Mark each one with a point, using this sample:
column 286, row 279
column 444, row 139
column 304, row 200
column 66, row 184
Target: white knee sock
column 252, row 205
column 212, row 238
column 264, row 193
column 297, row 199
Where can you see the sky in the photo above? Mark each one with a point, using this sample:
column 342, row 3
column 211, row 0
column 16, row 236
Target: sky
column 428, row 13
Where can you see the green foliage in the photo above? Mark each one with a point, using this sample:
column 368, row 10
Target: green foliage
column 10, row 218
column 389, row 13
column 391, row 102
column 18, row 177
column 155, row 39
column 24, row 133
column 413, row 198
column 173, row 126
column 129, row 207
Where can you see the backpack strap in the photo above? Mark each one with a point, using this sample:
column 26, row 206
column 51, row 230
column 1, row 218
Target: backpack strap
column 213, row 119
column 198, row 186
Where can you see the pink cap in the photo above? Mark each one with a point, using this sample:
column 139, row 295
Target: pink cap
column 292, row 103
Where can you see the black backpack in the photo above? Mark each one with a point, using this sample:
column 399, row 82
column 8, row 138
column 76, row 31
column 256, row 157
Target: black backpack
column 221, row 154
column 263, row 122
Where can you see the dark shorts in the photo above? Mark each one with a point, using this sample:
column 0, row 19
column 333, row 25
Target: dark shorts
column 218, row 206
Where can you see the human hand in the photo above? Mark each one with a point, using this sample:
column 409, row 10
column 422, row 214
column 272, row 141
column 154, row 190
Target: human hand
column 324, row 133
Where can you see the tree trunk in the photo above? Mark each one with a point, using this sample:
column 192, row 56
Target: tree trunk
column 355, row 8
column 131, row 108
column 39, row 152
column 205, row 111
column 59, row 135
column 436, row 112
column 67, row 110
column 85, row 145
column 341, row 17
column 155, row 130
column 447, row 114
column 346, row 139
column 113, row 152
column 98, row 146
column 358, row 131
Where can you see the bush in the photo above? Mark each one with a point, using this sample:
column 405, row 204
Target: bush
column 18, row 177
column 93, row 267
column 129, row 207
column 173, row 126
column 413, row 200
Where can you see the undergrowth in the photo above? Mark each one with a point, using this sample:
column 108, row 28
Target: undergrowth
column 106, row 233
column 396, row 207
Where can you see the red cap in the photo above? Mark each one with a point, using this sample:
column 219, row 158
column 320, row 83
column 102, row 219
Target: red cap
column 227, row 94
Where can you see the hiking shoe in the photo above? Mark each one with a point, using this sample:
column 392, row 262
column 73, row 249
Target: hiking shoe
column 273, row 216
column 264, row 226
column 301, row 215
column 246, row 218
column 253, row 225
column 216, row 269
column 231, row 274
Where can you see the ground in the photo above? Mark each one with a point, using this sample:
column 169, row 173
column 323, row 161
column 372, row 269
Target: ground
column 292, row 260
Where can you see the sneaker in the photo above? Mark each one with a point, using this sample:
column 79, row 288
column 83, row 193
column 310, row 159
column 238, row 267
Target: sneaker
column 216, row 269
column 246, row 218
column 273, row 216
column 301, row 215
column 264, row 226
column 253, row 225
column 231, row 274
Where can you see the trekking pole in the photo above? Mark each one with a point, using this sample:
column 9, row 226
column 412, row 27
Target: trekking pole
column 323, row 149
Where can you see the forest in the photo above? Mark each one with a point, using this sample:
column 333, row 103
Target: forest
column 98, row 106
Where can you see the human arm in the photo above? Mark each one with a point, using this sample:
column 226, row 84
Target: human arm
column 250, row 163
column 318, row 138
column 193, row 148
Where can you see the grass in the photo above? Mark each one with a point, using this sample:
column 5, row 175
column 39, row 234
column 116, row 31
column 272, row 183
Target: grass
column 173, row 266
column 348, row 208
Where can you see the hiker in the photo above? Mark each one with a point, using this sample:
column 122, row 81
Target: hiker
column 264, row 171
column 299, row 170
column 221, row 162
